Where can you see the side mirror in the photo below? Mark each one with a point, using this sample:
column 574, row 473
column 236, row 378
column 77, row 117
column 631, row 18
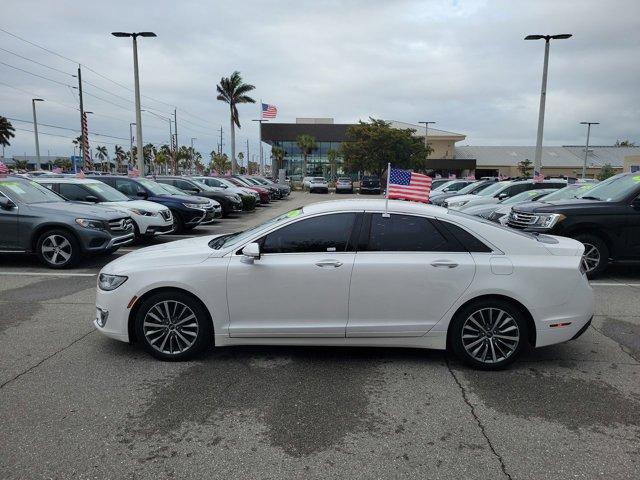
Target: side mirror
column 141, row 194
column 91, row 198
column 6, row 204
column 250, row 252
column 502, row 196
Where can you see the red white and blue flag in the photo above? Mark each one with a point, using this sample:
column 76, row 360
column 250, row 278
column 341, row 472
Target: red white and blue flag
column 4, row 170
column 537, row 177
column 133, row 172
column 80, row 174
column 269, row 111
column 56, row 170
column 407, row 185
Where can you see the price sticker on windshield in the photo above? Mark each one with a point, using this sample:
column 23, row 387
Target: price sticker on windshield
column 294, row 213
column 636, row 178
column 14, row 186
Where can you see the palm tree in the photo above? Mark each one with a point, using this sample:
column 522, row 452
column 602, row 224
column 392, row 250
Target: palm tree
column 220, row 162
column 306, row 143
column 6, row 133
column 120, row 156
column 162, row 159
column 231, row 90
column 63, row 163
column 20, row 164
column 333, row 156
column 278, row 155
column 102, row 155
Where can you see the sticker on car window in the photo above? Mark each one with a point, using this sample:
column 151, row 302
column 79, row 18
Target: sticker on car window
column 294, row 213
column 95, row 187
column 14, row 186
column 636, row 178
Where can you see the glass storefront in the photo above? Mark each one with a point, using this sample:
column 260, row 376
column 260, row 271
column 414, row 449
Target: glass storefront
column 317, row 161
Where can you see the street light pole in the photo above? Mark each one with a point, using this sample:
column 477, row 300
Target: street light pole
column 134, row 36
column 537, row 164
column 131, row 141
column 192, row 165
column 586, row 148
column 35, row 127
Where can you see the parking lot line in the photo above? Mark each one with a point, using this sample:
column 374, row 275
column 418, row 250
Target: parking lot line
column 617, row 284
column 50, row 274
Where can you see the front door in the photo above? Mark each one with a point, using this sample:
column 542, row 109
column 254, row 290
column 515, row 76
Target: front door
column 299, row 287
column 405, row 278
column 8, row 227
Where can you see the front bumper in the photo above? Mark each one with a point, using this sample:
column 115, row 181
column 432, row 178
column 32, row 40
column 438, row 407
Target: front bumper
column 114, row 305
column 101, row 240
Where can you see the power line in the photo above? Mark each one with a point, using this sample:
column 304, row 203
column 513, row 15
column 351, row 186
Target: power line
column 35, row 74
column 67, row 128
column 36, row 62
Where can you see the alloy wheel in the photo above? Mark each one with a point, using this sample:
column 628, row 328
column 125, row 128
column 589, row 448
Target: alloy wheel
column 590, row 257
column 170, row 327
column 56, row 249
column 490, row 335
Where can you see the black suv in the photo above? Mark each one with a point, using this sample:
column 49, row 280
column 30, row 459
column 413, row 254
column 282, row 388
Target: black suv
column 188, row 212
column 606, row 219
column 370, row 185
column 230, row 202
column 35, row 219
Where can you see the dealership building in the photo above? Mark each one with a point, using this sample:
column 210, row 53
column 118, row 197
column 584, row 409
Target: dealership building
column 446, row 157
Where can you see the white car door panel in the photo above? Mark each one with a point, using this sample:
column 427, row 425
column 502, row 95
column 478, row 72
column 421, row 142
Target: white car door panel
column 407, row 291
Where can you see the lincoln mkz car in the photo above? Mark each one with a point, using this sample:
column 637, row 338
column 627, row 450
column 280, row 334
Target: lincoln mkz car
column 418, row 276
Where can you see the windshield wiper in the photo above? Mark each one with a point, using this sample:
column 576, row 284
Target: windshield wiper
column 588, row 197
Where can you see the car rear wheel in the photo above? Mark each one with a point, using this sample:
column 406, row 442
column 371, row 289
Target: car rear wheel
column 489, row 334
column 595, row 256
column 58, row 249
column 173, row 326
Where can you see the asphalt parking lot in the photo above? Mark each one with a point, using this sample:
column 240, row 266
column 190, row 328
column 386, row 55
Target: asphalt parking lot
column 74, row 404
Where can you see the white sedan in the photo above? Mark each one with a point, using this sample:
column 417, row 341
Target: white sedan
column 345, row 273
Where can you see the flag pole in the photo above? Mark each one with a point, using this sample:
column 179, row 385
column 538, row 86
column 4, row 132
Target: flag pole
column 386, row 202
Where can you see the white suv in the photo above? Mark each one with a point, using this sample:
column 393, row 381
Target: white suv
column 149, row 218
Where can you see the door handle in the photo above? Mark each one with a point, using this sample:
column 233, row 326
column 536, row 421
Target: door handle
column 329, row 263
column 444, row 264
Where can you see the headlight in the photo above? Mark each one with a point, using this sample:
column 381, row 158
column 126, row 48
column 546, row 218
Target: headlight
column 144, row 213
column 110, row 282
column 88, row 223
column 199, row 206
column 549, row 220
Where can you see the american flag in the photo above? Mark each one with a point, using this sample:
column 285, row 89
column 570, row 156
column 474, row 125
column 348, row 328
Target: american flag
column 269, row 111
column 133, row 172
column 470, row 177
column 406, row 185
column 80, row 174
column 56, row 170
column 538, row 177
column 4, row 170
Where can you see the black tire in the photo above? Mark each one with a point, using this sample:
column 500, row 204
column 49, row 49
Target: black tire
column 67, row 245
column 150, row 336
column 506, row 351
column 178, row 223
column 594, row 246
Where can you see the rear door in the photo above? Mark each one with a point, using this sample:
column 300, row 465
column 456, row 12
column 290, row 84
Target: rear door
column 407, row 273
column 8, row 225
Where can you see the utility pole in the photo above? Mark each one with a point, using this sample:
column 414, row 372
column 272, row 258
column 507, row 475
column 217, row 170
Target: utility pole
column 537, row 164
column 84, row 133
column 586, row 148
column 247, row 156
column 220, row 144
column 35, row 128
column 191, row 153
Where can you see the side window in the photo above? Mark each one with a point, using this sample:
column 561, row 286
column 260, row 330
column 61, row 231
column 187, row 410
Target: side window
column 516, row 189
column 468, row 241
column 48, row 185
column 405, row 233
column 127, row 187
column 214, row 183
column 183, row 185
column 327, row 233
column 73, row 192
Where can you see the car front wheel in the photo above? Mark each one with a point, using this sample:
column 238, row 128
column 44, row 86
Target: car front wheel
column 595, row 256
column 58, row 249
column 489, row 334
column 173, row 326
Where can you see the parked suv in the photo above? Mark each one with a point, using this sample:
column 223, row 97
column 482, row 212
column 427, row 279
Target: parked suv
column 370, row 185
column 188, row 212
column 149, row 218
column 606, row 219
column 35, row 219
column 250, row 198
column 229, row 201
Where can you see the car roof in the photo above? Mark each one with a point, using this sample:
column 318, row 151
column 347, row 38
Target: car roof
column 66, row 180
column 378, row 204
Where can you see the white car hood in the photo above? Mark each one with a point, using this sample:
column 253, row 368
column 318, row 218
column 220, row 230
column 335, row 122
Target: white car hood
column 460, row 198
column 189, row 251
column 139, row 204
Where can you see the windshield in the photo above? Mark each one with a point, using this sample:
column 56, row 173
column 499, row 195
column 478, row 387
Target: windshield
column 28, row 192
column 472, row 187
column 107, row 193
column 442, row 186
column 154, row 187
column 260, row 180
column 487, row 192
column 571, row 191
column 317, row 179
column 233, row 238
column 526, row 196
column 613, row 189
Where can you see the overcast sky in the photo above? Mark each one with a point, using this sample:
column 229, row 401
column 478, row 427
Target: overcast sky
column 463, row 64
